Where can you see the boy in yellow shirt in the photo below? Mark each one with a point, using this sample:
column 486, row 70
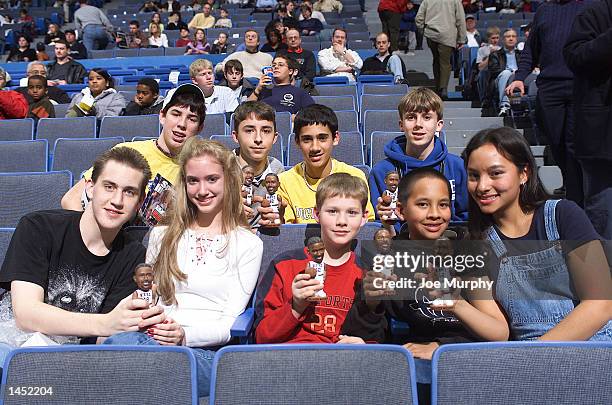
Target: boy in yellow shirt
column 316, row 134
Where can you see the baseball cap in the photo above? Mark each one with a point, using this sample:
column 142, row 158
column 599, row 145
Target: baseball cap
column 472, row 16
column 185, row 88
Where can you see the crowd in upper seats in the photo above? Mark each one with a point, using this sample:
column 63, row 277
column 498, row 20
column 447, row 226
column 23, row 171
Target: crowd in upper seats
column 205, row 254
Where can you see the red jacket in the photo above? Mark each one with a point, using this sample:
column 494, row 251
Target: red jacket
column 321, row 322
column 397, row 6
column 12, row 105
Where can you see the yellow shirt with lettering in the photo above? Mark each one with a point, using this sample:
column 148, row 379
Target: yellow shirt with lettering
column 158, row 162
column 301, row 199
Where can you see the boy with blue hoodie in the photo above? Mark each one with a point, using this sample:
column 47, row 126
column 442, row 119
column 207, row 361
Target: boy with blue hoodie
column 420, row 113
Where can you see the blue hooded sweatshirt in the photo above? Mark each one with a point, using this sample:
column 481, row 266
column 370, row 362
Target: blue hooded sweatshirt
column 397, row 159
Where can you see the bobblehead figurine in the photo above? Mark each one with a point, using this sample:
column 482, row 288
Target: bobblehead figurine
column 143, row 277
column 383, row 241
column 248, row 174
column 271, row 199
column 389, row 196
column 316, row 267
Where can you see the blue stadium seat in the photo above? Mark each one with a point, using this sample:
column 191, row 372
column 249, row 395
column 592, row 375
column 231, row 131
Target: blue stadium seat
column 173, row 51
column 214, row 125
column 24, row 156
column 78, row 155
column 21, row 193
column 169, row 370
column 237, row 370
column 54, row 128
column 335, row 80
column 17, row 130
column 347, row 121
column 125, row 53
column 551, row 178
column 337, row 103
column 379, row 120
column 151, row 52
column 129, row 126
column 5, row 239
column 378, row 140
column 546, row 373
column 379, row 102
column 384, row 89
column 338, row 90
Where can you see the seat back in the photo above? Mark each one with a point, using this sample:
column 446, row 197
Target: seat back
column 522, row 372
column 22, row 193
column 383, row 120
column 380, row 102
column 551, row 178
column 377, row 145
column 385, row 89
column 337, row 103
column 23, row 156
column 135, row 125
column 347, row 121
column 5, row 239
column 78, row 155
column 313, row 373
column 53, row 128
column 88, row 374
column 214, row 124
column 17, row 130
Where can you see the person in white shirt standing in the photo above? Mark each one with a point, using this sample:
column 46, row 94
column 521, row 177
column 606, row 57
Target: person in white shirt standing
column 339, row 60
column 218, row 99
column 206, row 258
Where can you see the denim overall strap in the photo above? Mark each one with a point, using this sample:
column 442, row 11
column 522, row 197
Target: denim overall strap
column 550, row 220
column 498, row 246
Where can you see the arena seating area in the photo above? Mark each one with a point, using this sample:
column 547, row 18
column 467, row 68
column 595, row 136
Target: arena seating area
column 40, row 162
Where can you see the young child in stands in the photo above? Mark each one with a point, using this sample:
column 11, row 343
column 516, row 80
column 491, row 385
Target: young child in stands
column 184, row 39
column 206, row 258
column 40, row 107
column 284, row 310
column 316, row 134
column 564, row 260
column 147, row 99
column 420, row 118
column 424, row 203
column 234, row 79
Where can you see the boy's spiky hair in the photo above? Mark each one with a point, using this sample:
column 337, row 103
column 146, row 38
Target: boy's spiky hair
column 421, row 100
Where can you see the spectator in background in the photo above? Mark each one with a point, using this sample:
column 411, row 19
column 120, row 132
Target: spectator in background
column 315, row 14
column 41, row 53
column 53, row 34
column 526, row 30
column 502, row 66
column 308, row 25
column 383, row 62
column 149, row 7
column 202, row 20
column 218, row 99
column 198, row 46
column 106, row 101
column 305, row 59
column 390, row 13
column 285, row 18
column 220, row 45
column 156, row 19
column 77, row 49
column 28, row 23
column 135, row 38
column 93, row 24
column 470, row 6
column 171, row 6
column 337, row 59
column 184, row 39
column 147, row 99
column 22, row 52
column 224, row 20
column 473, row 36
column 157, row 39
column 280, row 93
column 328, row 6
column 233, row 74
column 589, row 56
column 175, row 22
column 12, row 105
column 251, row 58
column 64, row 70
column 40, row 106
column 4, row 78
column 408, row 27
column 265, row 6
column 275, row 41
column 443, row 22
column 56, row 94
column 492, row 45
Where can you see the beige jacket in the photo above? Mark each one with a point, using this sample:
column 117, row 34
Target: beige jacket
column 327, row 6
column 443, row 21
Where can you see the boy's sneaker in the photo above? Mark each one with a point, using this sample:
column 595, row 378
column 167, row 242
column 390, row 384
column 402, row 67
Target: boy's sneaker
column 503, row 111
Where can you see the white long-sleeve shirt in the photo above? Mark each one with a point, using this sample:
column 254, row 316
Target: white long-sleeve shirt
column 329, row 61
column 161, row 41
column 216, row 291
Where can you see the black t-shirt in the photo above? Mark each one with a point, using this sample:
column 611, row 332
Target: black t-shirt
column 59, row 72
column 286, row 98
column 47, row 249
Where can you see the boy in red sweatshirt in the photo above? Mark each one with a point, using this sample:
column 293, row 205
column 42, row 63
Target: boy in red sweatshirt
column 287, row 312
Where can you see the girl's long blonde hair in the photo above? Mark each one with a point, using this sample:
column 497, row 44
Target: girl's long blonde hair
column 182, row 213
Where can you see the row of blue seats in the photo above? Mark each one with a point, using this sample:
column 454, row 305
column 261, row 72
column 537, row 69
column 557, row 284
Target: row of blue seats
column 468, row 373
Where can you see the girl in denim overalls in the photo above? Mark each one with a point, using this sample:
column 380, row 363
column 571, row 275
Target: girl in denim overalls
column 555, row 291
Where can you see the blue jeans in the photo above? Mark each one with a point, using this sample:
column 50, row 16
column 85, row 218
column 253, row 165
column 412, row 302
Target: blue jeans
column 204, row 358
column 4, row 351
column 502, row 82
column 395, row 67
column 95, row 35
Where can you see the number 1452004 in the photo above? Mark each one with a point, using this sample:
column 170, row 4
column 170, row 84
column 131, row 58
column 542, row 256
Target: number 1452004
column 29, row 391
